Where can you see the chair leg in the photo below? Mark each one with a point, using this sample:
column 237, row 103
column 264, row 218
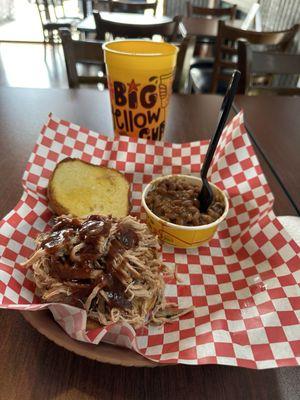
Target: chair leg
column 189, row 86
column 45, row 33
column 45, row 44
column 192, row 87
column 51, row 37
column 82, row 35
column 45, row 51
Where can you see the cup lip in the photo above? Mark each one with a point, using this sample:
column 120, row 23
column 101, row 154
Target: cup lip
column 183, row 227
column 173, row 49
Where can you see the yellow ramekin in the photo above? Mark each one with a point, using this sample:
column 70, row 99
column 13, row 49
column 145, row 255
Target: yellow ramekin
column 177, row 235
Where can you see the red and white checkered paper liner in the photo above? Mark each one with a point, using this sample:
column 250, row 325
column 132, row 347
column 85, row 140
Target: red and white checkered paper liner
column 244, row 284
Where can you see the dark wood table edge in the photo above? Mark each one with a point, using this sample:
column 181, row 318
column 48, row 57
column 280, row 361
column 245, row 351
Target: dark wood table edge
column 237, row 109
column 77, row 347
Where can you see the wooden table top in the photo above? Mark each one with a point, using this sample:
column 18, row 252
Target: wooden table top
column 88, row 24
column 277, row 135
column 204, row 27
column 31, row 366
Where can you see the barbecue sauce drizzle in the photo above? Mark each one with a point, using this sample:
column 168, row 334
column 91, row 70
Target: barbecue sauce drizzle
column 77, row 276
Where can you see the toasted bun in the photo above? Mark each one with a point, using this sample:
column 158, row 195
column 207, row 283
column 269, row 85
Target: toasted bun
column 79, row 188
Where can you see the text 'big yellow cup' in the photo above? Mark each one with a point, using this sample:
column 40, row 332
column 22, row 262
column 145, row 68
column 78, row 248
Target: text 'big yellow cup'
column 140, row 76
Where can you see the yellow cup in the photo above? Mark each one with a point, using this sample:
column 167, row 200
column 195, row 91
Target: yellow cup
column 177, row 235
column 140, row 76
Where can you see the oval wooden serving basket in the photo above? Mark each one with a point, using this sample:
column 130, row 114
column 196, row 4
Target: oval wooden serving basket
column 44, row 323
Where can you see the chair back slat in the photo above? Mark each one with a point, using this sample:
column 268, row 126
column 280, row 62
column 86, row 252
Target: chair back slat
column 253, row 64
column 228, row 50
column 281, row 38
column 168, row 30
column 92, row 80
column 229, row 12
column 275, row 63
column 87, row 52
column 227, row 64
column 282, row 91
column 131, row 7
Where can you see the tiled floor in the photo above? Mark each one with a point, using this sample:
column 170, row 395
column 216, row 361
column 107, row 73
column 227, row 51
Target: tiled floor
column 32, row 65
column 26, row 25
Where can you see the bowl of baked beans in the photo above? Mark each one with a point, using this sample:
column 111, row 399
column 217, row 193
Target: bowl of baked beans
column 172, row 210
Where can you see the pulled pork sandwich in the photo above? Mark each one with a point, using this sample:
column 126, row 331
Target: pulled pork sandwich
column 108, row 266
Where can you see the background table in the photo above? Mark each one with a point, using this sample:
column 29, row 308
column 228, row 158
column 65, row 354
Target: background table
column 88, row 24
column 200, row 27
column 34, row 368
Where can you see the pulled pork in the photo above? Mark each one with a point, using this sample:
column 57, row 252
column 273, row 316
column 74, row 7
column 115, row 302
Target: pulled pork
column 111, row 267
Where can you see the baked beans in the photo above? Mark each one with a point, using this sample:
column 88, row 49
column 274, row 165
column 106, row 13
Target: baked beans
column 175, row 200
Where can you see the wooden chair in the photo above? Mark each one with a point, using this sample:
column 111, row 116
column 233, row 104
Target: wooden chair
column 226, row 53
column 181, row 82
column 253, row 64
column 168, row 30
column 131, row 7
column 88, row 53
column 202, row 44
column 226, row 47
column 192, row 10
column 50, row 23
